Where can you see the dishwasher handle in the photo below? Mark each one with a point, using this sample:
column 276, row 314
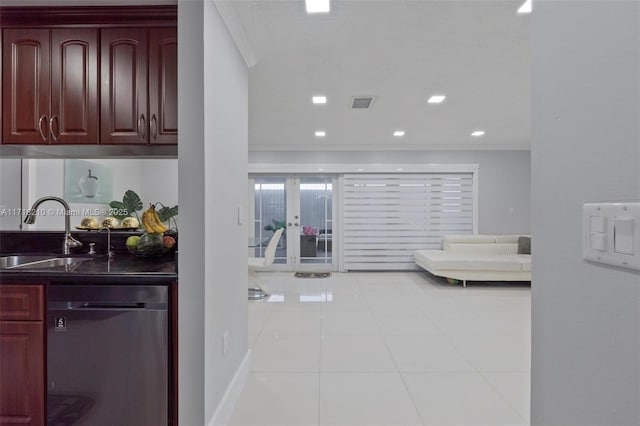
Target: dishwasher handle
column 106, row 306
column 102, row 306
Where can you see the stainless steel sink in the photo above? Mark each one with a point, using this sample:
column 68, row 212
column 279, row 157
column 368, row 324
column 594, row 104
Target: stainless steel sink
column 14, row 261
column 38, row 261
column 52, row 263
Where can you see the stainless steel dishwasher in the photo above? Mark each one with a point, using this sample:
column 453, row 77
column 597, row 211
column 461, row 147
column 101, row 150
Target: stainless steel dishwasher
column 107, row 355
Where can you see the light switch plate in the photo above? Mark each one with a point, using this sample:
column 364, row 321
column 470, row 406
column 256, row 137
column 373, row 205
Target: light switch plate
column 611, row 234
column 240, row 215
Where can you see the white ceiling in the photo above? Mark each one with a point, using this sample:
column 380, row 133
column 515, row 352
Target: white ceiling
column 401, row 52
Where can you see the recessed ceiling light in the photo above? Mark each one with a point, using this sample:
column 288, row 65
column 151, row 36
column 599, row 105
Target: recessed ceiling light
column 478, row 133
column 321, row 133
column 398, row 133
column 436, row 99
column 361, row 170
column 321, row 170
column 319, row 99
column 526, row 7
column 317, row 6
column 398, row 170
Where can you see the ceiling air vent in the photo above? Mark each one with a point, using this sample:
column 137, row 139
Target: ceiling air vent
column 362, row 102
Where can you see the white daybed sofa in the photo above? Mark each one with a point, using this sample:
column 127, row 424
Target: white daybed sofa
column 477, row 258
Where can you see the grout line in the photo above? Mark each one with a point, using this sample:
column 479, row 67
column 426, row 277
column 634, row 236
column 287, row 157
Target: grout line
column 356, row 284
column 502, row 396
column 404, row 382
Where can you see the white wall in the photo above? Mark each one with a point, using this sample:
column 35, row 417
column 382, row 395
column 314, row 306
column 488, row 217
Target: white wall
column 152, row 180
column 191, row 195
column 10, row 189
column 159, row 181
column 586, row 148
column 212, row 152
column 504, row 178
column 226, row 140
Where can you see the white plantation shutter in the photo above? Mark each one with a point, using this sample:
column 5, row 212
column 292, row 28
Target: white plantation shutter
column 388, row 216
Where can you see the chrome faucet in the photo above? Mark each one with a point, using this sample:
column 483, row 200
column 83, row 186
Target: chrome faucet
column 69, row 242
column 109, row 251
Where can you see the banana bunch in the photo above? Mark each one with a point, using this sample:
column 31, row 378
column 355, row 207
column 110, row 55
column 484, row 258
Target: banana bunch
column 151, row 222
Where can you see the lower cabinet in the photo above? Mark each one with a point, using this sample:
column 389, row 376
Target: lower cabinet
column 22, row 380
column 23, row 391
column 21, row 373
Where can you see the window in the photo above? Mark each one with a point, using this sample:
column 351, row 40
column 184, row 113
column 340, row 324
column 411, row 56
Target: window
column 388, row 216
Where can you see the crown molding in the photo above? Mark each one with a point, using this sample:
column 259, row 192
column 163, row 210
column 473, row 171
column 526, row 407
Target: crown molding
column 347, row 147
column 329, row 168
column 239, row 36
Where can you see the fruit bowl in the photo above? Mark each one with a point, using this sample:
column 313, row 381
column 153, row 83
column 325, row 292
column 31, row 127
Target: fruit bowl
column 160, row 253
column 151, row 245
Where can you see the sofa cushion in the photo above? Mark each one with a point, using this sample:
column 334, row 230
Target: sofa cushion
column 525, row 261
column 513, row 239
column 471, row 239
column 524, row 245
column 481, row 248
column 442, row 260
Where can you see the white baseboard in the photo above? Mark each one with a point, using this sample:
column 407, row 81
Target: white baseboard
column 225, row 409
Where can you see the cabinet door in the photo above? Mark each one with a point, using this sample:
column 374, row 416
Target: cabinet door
column 21, row 302
column 163, row 86
column 25, row 79
column 74, row 86
column 123, row 89
column 22, row 372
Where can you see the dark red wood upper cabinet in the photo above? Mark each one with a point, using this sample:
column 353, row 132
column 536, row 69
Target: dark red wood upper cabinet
column 124, row 117
column 50, row 80
column 163, row 86
column 89, row 75
column 74, row 86
column 139, row 86
column 25, row 80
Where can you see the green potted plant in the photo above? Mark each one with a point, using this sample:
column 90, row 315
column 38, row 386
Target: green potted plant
column 131, row 204
column 274, row 226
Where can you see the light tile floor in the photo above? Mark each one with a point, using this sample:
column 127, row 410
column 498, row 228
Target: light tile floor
column 387, row 348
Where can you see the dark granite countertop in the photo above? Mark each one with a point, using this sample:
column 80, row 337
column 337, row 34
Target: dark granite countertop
column 122, row 268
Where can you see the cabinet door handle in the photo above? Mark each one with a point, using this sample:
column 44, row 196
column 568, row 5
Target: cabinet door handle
column 154, row 122
column 53, row 133
column 43, row 118
column 142, row 135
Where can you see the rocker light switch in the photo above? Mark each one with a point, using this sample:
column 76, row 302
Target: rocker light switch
column 240, row 215
column 597, row 241
column 597, row 224
column 623, row 235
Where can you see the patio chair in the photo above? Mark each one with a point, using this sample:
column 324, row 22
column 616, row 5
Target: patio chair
column 255, row 290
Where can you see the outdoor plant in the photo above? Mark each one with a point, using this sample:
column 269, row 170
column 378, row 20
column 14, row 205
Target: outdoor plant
column 277, row 224
column 308, row 230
